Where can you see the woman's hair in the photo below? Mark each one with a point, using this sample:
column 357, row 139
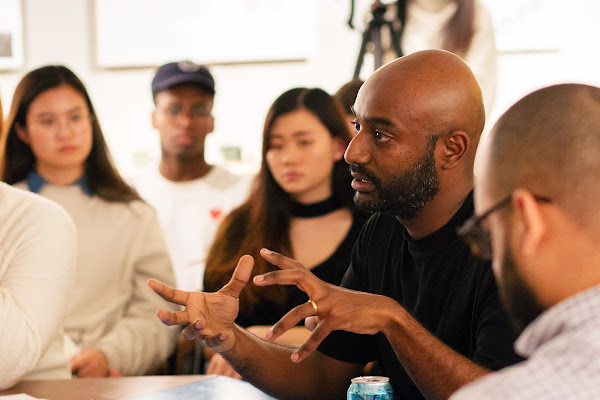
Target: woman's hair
column 458, row 31
column 1, row 116
column 346, row 94
column 17, row 158
column 263, row 220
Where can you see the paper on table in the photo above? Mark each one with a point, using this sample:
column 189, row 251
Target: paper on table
column 19, row 397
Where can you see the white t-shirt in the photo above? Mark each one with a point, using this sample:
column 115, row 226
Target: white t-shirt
column 190, row 213
column 38, row 250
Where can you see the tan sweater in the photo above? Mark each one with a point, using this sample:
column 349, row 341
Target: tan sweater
column 111, row 307
column 37, row 267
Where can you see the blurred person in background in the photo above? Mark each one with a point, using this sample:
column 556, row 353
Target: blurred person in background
column 301, row 205
column 53, row 145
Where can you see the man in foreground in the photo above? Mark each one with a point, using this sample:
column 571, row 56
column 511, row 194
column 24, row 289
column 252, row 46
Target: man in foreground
column 537, row 198
column 431, row 316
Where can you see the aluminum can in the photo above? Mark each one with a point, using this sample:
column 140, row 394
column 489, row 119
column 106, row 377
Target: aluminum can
column 370, row 388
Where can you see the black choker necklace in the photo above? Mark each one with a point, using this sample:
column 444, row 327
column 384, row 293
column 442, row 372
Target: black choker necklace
column 315, row 209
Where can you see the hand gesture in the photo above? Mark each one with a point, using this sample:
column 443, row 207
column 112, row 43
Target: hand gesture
column 336, row 308
column 210, row 316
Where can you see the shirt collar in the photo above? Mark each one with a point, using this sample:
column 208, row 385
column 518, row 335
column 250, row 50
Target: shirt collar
column 571, row 314
column 35, row 182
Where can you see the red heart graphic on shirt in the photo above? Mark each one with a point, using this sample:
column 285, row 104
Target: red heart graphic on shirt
column 215, row 212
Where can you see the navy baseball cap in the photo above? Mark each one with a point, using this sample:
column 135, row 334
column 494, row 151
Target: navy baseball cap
column 174, row 73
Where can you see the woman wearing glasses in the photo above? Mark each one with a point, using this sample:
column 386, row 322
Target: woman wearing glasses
column 53, row 146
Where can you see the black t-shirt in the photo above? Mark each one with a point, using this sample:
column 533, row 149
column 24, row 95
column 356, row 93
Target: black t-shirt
column 331, row 270
column 436, row 279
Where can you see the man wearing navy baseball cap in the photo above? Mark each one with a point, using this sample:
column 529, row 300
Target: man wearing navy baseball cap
column 190, row 195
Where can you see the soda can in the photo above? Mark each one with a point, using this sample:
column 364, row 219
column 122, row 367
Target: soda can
column 370, row 388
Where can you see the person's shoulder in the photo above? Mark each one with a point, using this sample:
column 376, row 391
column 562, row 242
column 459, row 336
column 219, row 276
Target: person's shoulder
column 514, row 382
column 23, row 208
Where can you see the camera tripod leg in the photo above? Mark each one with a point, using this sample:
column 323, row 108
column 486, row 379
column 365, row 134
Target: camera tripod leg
column 361, row 54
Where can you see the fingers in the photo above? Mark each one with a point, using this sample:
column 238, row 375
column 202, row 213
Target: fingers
column 173, row 318
column 240, row 277
column 280, row 260
column 114, row 373
column 193, row 331
column 168, row 293
column 287, row 277
column 311, row 322
column 313, row 341
column 289, row 320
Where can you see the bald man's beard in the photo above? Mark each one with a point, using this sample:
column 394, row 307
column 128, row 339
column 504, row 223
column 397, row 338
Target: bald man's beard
column 518, row 299
column 408, row 194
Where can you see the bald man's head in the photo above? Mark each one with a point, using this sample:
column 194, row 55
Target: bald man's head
column 549, row 142
column 438, row 90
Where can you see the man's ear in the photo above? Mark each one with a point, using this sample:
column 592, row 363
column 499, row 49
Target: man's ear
column 22, row 133
column 154, row 119
column 529, row 225
column 455, row 146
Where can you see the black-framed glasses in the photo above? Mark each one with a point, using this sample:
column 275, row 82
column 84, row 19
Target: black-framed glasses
column 477, row 237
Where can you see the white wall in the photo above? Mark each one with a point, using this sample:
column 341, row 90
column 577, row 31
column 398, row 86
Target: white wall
column 62, row 31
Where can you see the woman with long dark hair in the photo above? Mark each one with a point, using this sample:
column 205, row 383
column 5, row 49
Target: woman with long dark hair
column 300, row 205
column 53, row 145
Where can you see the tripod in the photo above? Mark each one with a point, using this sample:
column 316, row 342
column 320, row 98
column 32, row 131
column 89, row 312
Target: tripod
column 372, row 34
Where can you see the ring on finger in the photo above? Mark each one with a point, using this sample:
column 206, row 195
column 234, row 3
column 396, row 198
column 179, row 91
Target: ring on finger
column 314, row 305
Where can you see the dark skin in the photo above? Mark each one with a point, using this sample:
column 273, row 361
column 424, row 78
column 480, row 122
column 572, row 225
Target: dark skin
column 397, row 110
column 183, row 118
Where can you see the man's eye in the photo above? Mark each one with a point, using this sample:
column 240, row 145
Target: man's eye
column 174, row 109
column 380, row 137
column 356, row 125
column 47, row 122
column 200, row 110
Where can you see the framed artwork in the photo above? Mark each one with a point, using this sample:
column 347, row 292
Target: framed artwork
column 138, row 33
column 11, row 35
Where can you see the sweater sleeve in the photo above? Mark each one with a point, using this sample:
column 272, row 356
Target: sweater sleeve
column 37, row 268
column 139, row 342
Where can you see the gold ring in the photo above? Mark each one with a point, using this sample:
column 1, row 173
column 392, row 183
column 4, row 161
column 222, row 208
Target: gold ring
column 312, row 303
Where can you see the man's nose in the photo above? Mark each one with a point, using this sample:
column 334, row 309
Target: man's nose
column 357, row 150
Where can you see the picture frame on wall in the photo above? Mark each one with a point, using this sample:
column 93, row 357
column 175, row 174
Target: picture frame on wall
column 143, row 33
column 11, row 35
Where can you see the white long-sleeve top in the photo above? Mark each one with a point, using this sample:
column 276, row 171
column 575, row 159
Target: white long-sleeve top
column 120, row 246
column 37, row 268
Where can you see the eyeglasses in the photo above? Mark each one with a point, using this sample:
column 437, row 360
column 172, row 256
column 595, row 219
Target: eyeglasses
column 196, row 111
column 53, row 122
column 477, row 237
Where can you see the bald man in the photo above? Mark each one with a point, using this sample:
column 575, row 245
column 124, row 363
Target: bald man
column 414, row 298
column 537, row 198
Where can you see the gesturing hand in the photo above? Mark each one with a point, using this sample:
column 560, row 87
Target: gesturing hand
column 210, row 316
column 337, row 308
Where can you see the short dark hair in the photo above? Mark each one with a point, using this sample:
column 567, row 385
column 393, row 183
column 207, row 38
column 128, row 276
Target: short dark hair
column 346, row 94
